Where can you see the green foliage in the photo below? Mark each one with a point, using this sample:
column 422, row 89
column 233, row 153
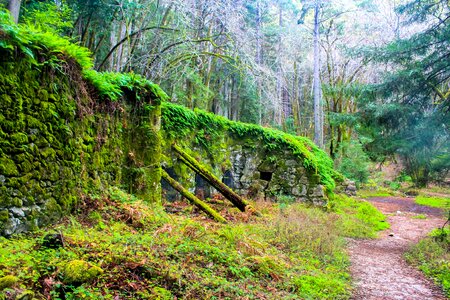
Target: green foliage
column 179, row 122
column 80, row 271
column 112, row 85
column 353, row 162
column 57, row 140
column 432, row 256
column 439, row 202
column 358, row 218
column 8, row 281
column 34, row 42
column 321, row 287
column 47, row 16
column 291, row 253
column 408, row 114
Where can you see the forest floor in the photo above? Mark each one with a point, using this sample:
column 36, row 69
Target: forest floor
column 378, row 266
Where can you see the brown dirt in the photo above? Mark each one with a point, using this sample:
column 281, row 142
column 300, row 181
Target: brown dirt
column 378, row 267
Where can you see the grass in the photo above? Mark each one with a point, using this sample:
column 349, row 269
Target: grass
column 420, row 217
column 380, row 192
column 432, row 256
column 359, row 218
column 293, row 252
column 438, row 202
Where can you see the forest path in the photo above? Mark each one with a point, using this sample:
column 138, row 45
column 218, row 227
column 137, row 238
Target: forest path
column 378, row 267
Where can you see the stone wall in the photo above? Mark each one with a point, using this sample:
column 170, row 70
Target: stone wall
column 60, row 141
column 258, row 163
column 249, row 171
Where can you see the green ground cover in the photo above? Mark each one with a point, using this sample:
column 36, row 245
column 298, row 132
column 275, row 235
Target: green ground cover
column 135, row 251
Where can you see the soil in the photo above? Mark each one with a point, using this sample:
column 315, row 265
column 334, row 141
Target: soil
column 378, row 267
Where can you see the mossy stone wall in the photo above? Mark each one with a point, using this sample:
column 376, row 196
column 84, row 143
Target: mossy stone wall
column 245, row 166
column 259, row 163
column 59, row 142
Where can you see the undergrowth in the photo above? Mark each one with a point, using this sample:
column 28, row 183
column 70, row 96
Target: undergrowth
column 432, row 256
column 359, row 218
column 293, row 252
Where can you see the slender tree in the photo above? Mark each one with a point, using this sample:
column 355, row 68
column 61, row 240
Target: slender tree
column 14, row 8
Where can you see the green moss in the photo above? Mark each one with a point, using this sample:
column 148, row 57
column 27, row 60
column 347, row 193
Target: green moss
column 8, row 282
column 8, row 167
column 4, row 215
column 55, row 141
column 53, row 209
column 160, row 293
column 80, row 271
column 26, row 295
column 19, row 138
column 181, row 123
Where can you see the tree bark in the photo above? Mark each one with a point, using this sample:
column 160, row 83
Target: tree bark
column 227, row 192
column 193, row 199
column 318, row 116
column 14, row 8
column 259, row 58
column 279, row 105
column 121, row 49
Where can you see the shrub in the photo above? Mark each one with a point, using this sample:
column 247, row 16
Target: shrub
column 353, row 162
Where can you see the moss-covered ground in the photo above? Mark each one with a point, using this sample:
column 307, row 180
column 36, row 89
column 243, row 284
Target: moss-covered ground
column 433, row 201
column 140, row 252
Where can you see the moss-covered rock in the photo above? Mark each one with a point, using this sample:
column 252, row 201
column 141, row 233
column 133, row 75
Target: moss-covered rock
column 8, row 281
column 80, row 271
column 25, row 295
column 160, row 293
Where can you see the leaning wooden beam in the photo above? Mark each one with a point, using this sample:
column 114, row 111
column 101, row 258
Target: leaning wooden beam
column 194, row 200
column 227, row 192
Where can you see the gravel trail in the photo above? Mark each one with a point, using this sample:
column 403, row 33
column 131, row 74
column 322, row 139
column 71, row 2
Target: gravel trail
column 378, row 267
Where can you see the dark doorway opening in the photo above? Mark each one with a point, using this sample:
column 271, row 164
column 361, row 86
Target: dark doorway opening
column 267, row 176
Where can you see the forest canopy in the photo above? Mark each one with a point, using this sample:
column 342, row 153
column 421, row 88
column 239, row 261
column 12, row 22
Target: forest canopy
column 366, row 79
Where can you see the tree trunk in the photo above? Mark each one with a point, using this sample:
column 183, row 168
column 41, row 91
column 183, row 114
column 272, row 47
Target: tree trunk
column 259, row 58
column 193, row 199
column 279, row 107
column 318, row 117
column 14, row 8
column 120, row 50
column 228, row 193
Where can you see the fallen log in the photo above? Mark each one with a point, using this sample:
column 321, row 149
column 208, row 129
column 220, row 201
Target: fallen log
column 226, row 191
column 191, row 197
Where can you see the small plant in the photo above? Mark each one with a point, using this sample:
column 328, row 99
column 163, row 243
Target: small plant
column 420, row 217
column 432, row 256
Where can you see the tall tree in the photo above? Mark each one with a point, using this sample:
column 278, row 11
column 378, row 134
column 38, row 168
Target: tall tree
column 408, row 114
column 317, row 92
column 318, row 110
column 14, row 8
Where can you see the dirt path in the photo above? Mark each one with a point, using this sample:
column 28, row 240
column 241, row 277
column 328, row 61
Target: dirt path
column 378, row 267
